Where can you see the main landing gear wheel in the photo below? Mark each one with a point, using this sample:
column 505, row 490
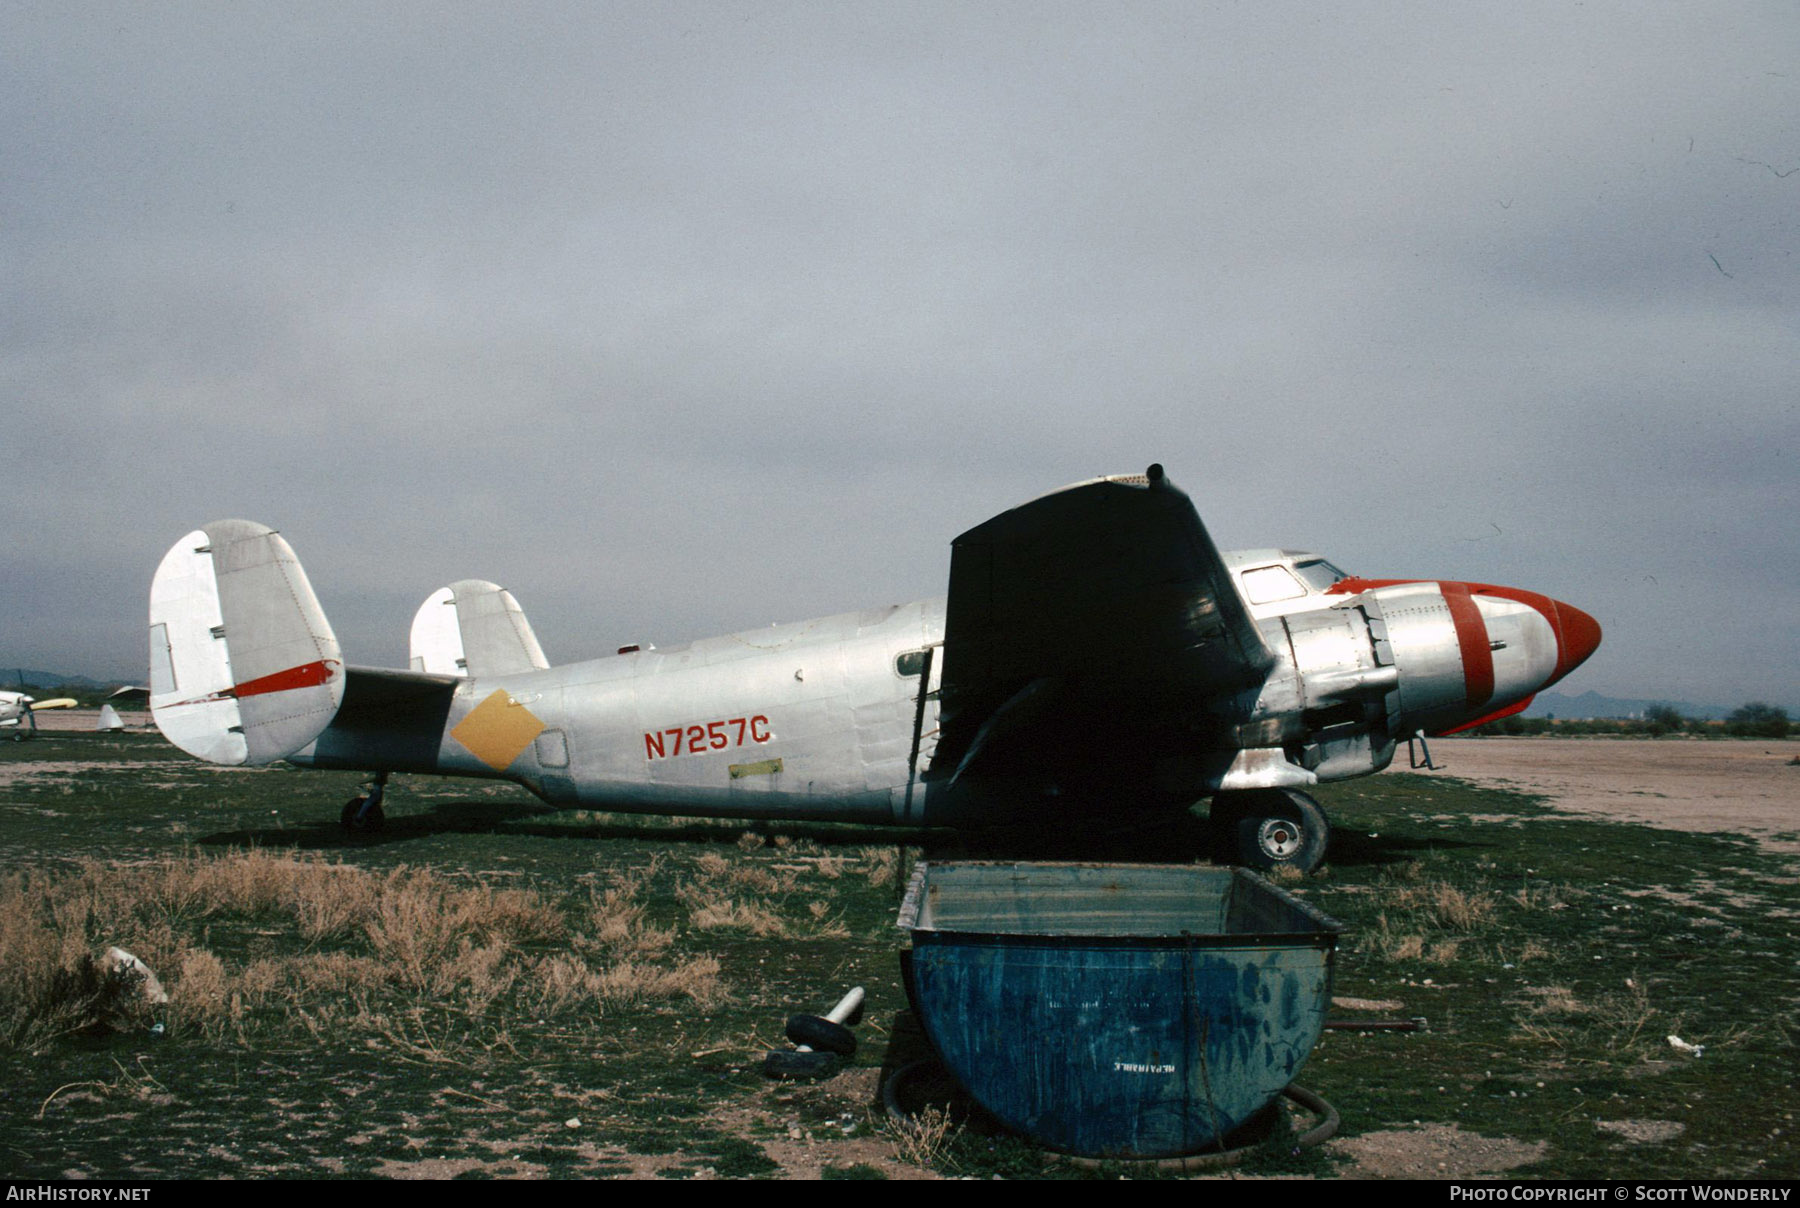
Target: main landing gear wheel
column 1267, row 829
column 363, row 814
column 356, row 817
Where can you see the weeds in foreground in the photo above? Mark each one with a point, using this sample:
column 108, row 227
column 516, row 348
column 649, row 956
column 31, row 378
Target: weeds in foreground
column 923, row 1138
column 138, row 1084
column 377, row 953
column 757, row 897
column 1424, row 918
column 1619, row 1024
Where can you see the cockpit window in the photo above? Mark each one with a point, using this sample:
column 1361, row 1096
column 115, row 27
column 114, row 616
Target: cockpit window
column 1267, row 584
column 1318, row 574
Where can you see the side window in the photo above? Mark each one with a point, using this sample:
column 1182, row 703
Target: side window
column 1318, row 574
column 1267, row 584
column 910, row 663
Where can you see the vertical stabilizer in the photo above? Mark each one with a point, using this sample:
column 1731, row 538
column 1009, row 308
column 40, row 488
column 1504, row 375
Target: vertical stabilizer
column 474, row 628
column 244, row 667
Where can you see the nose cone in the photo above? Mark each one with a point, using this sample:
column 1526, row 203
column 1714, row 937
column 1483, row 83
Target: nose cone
column 1577, row 637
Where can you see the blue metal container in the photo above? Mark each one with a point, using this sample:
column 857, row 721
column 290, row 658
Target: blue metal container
column 1116, row 1010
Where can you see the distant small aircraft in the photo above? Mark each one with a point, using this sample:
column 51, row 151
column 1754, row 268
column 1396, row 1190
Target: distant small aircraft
column 18, row 712
column 1096, row 656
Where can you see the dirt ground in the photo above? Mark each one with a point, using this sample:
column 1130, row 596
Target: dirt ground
column 85, row 721
column 1742, row 786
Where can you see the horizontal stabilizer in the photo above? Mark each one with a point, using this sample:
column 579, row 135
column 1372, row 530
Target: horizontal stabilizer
column 474, row 628
column 244, row 667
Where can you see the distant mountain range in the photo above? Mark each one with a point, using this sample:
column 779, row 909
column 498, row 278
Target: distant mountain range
column 9, row 680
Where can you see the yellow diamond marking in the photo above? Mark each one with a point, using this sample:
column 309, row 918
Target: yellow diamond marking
column 498, row 729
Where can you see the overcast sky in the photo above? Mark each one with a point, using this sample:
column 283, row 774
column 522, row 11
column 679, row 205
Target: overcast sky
column 682, row 318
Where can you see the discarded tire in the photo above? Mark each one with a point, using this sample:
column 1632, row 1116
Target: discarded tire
column 787, row 1063
column 817, row 1032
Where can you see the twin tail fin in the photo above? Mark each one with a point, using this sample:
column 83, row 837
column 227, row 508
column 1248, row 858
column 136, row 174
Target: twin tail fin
column 245, row 668
column 474, row 627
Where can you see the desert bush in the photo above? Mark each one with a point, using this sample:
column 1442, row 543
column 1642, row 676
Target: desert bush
column 617, row 921
column 924, row 1137
column 880, row 865
column 565, row 982
column 1426, row 918
column 1615, row 1023
column 1758, row 720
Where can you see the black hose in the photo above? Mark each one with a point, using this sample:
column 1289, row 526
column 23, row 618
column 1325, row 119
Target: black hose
column 1324, row 1130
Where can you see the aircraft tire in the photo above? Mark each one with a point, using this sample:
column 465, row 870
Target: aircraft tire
column 353, row 819
column 793, row 1065
column 1280, row 828
column 817, row 1032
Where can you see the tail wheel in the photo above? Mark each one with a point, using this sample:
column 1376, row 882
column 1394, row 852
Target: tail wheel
column 1272, row 828
column 356, row 818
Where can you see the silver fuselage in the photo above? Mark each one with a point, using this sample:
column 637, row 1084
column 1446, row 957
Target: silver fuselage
column 837, row 718
column 807, row 720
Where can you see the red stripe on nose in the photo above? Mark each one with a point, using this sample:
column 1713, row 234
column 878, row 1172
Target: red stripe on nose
column 1472, row 641
column 1577, row 634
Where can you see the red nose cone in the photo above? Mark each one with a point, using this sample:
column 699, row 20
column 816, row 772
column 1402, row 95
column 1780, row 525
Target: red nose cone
column 1577, row 636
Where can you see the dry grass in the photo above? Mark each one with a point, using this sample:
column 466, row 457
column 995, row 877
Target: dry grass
column 1445, row 906
column 1539, row 896
column 1620, row 1023
column 382, row 953
column 922, row 1138
column 1427, row 918
column 130, row 1084
column 617, row 919
column 880, row 865
column 760, row 898
column 565, row 983
column 1557, row 1001
column 709, row 910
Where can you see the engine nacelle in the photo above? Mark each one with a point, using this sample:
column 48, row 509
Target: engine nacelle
column 1329, row 702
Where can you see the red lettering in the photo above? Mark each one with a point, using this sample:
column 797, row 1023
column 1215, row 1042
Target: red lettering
column 712, row 736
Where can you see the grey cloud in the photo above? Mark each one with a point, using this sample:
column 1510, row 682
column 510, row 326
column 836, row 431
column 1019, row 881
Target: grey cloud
column 680, row 317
